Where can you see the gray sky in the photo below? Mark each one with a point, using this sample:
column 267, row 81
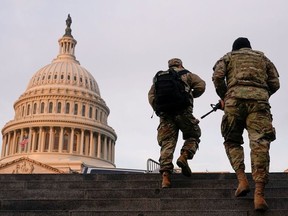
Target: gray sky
column 123, row 43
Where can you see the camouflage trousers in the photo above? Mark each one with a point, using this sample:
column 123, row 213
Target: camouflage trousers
column 255, row 117
column 168, row 131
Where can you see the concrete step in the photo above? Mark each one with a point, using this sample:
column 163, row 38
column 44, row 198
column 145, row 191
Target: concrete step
column 143, row 213
column 143, row 204
column 76, row 181
column 179, row 213
column 124, row 177
column 120, row 193
column 135, row 194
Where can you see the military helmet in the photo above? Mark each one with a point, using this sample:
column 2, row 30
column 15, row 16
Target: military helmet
column 174, row 62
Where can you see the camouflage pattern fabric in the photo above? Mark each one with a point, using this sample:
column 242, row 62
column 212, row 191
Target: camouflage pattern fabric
column 245, row 74
column 245, row 79
column 168, row 131
column 254, row 116
column 170, row 125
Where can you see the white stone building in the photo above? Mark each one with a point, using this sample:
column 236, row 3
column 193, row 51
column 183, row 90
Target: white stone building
column 60, row 120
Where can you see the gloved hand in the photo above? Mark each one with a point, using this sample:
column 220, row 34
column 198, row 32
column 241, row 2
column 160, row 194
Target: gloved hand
column 222, row 104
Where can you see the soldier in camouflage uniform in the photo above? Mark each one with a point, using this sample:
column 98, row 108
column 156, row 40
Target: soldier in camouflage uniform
column 170, row 124
column 245, row 79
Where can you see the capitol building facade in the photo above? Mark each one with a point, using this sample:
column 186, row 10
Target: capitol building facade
column 60, row 121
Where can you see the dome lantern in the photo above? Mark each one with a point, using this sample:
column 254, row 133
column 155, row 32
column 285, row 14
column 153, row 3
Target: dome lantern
column 67, row 44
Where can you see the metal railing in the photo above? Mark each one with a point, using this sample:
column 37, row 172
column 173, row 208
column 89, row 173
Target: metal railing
column 152, row 166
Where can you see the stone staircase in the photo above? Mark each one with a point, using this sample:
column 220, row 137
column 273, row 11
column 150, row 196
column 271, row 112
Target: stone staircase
column 203, row 194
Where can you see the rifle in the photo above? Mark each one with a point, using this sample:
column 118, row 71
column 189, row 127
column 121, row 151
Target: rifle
column 214, row 109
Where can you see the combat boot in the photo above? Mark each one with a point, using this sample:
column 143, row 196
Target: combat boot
column 259, row 201
column 183, row 164
column 166, row 181
column 243, row 185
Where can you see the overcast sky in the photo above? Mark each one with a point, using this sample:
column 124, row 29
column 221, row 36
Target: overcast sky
column 123, row 43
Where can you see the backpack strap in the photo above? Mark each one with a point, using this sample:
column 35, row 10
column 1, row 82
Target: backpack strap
column 180, row 73
column 183, row 72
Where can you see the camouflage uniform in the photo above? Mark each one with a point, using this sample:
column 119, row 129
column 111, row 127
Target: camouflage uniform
column 245, row 79
column 170, row 125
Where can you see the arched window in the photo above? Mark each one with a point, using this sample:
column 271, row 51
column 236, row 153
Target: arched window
column 23, row 108
column 90, row 112
column 42, row 107
column 100, row 117
column 96, row 114
column 34, row 108
column 50, row 107
column 28, row 110
column 75, row 109
column 59, row 107
column 67, row 109
column 83, row 110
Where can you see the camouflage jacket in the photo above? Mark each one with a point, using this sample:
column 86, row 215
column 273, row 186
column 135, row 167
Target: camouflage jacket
column 245, row 74
column 193, row 82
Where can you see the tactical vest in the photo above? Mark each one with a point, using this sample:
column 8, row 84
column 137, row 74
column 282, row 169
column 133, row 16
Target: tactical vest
column 247, row 77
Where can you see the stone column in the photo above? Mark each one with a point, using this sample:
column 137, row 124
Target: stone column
column 34, row 134
column 109, row 149
column 10, row 144
column 91, row 153
column 99, row 146
column 71, row 140
column 4, row 144
column 105, row 147
column 10, row 147
column 113, row 151
column 40, row 139
column 81, row 142
column 50, row 139
column 61, row 137
column 28, row 146
column 20, row 140
column 87, row 139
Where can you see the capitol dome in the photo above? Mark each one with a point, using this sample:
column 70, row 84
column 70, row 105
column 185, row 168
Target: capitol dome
column 64, row 71
column 61, row 120
column 67, row 73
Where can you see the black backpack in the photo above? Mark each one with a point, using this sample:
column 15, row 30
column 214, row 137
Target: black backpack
column 170, row 94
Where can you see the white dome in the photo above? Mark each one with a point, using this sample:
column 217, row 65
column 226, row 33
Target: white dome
column 65, row 73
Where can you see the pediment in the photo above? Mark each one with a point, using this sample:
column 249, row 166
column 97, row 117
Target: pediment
column 26, row 165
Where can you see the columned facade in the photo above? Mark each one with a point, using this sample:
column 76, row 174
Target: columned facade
column 61, row 119
column 53, row 139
